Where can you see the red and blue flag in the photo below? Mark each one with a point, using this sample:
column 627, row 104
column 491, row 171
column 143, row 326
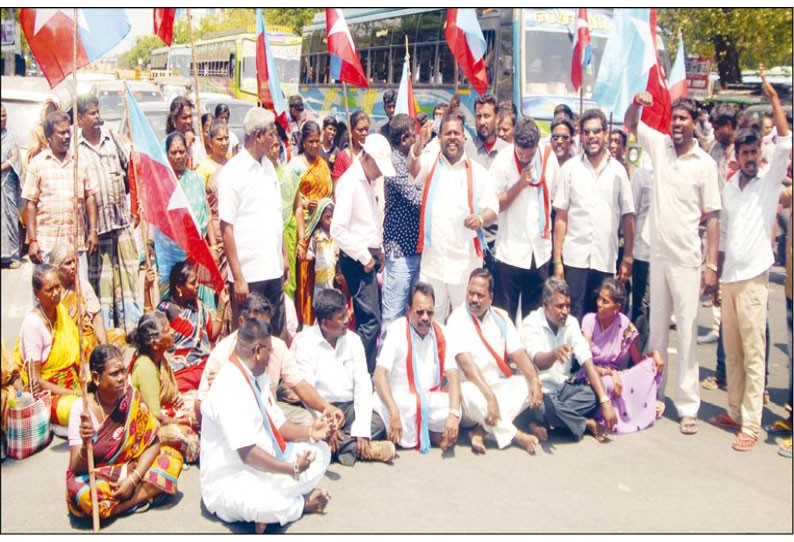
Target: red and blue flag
column 345, row 64
column 468, row 45
column 267, row 79
column 678, row 86
column 581, row 48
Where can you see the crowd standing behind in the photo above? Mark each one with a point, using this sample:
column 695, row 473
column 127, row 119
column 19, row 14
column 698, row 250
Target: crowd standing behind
column 393, row 287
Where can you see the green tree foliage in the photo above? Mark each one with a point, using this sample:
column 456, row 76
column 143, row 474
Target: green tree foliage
column 141, row 50
column 243, row 19
column 737, row 38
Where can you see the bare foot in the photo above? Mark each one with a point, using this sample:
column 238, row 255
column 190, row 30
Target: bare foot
column 539, row 431
column 260, row 528
column 597, row 430
column 659, row 409
column 526, row 441
column 476, row 436
column 316, row 502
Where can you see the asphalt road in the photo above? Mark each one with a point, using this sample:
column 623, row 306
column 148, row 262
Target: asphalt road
column 655, row 481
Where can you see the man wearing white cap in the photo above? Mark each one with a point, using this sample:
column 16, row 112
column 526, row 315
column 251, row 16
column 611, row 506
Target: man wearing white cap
column 357, row 228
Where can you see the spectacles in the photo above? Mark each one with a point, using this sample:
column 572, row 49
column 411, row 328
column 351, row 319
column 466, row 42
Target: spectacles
column 429, row 313
column 560, row 137
column 594, row 131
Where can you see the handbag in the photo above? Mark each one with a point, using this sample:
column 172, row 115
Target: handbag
column 29, row 426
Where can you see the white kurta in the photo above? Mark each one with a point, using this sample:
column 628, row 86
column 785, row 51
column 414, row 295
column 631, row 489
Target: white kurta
column 232, row 490
column 393, row 355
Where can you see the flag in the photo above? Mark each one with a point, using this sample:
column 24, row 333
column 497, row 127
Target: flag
column 467, row 44
column 345, row 64
column 630, row 64
column 50, row 35
column 581, row 49
column 267, row 80
column 678, row 87
column 162, row 198
column 164, row 23
column 406, row 103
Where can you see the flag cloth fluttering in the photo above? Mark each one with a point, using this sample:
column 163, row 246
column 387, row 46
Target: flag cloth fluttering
column 678, row 86
column 406, row 103
column 468, row 46
column 345, row 64
column 581, row 49
column 163, row 19
column 267, row 79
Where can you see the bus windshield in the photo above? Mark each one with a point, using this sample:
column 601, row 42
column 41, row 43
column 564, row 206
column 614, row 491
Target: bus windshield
column 180, row 61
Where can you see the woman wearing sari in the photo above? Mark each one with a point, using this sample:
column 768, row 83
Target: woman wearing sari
column 208, row 170
column 11, row 192
column 153, row 376
column 132, row 469
column 291, row 212
column 168, row 251
column 194, row 327
column 315, row 184
column 49, row 341
column 360, row 123
column 613, row 343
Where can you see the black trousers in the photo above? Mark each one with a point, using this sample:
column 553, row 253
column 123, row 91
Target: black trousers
column 511, row 281
column 568, row 408
column 583, row 285
column 640, row 300
column 349, row 445
column 366, row 303
column 273, row 291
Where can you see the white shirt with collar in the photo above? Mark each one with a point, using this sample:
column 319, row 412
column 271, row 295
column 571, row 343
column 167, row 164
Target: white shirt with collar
column 249, row 198
column 539, row 337
column 357, row 225
column 519, row 241
column 451, row 255
column 468, row 340
column 684, row 187
column 339, row 374
column 596, row 199
column 747, row 217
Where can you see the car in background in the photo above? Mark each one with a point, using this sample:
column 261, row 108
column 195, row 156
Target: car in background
column 86, row 79
column 111, row 100
column 237, row 110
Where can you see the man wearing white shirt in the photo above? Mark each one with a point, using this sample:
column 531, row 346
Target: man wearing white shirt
column 458, row 201
column 552, row 339
column 749, row 205
column 249, row 207
column 642, row 190
column 685, row 188
column 492, row 396
column 415, row 360
column 521, row 176
column 252, row 466
column 593, row 198
column 357, row 228
column 332, row 358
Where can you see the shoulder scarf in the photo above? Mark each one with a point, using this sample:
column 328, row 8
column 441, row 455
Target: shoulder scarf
column 543, row 194
column 280, row 446
column 500, row 362
column 439, row 352
column 428, row 196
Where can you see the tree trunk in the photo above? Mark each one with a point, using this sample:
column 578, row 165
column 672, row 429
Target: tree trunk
column 727, row 59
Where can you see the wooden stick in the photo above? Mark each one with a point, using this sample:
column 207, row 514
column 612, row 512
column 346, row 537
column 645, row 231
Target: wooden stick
column 349, row 128
column 144, row 229
column 195, row 81
column 84, row 372
column 581, row 98
column 456, row 77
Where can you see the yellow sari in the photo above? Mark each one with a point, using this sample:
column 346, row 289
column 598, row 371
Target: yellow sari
column 62, row 366
column 90, row 341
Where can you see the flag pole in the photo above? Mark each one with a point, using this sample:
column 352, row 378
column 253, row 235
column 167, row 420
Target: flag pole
column 349, row 128
column 195, row 79
column 144, row 228
column 456, row 78
column 79, row 287
column 581, row 98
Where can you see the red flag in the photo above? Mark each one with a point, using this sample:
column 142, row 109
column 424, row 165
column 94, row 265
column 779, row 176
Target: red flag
column 345, row 64
column 658, row 116
column 581, row 48
column 468, row 45
column 164, row 23
column 267, row 77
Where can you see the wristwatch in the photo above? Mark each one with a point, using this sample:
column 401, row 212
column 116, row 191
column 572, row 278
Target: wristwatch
column 604, row 399
column 455, row 412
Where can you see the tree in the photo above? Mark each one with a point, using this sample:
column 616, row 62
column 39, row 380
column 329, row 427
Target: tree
column 141, row 50
column 244, row 20
column 737, row 38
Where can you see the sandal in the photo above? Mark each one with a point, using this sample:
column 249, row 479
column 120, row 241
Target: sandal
column 779, row 427
column 724, row 421
column 660, row 406
column 785, row 448
column 140, row 507
column 743, row 443
column 688, row 425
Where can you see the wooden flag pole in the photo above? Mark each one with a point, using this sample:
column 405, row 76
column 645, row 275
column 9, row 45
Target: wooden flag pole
column 195, row 80
column 349, row 128
column 581, row 98
column 456, row 78
column 144, row 228
column 84, row 370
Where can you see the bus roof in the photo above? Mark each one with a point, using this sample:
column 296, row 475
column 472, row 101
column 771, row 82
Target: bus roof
column 361, row 15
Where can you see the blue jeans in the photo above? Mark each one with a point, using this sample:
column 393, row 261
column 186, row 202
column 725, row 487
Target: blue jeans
column 398, row 277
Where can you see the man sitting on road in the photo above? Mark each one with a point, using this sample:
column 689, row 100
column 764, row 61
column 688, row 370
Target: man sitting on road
column 492, row 395
column 553, row 339
column 414, row 360
column 333, row 360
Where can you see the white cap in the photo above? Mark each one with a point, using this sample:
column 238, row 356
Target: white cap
column 379, row 149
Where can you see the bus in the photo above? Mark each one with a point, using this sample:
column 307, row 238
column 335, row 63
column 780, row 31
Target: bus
column 528, row 60
column 227, row 63
column 174, row 60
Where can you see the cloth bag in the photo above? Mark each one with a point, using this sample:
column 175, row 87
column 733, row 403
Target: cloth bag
column 29, row 426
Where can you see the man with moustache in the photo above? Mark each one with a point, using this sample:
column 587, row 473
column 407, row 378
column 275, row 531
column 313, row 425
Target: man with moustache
column 492, row 396
column 457, row 203
column 685, row 187
column 553, row 339
column 416, row 379
column 749, row 203
column 113, row 268
column 593, row 197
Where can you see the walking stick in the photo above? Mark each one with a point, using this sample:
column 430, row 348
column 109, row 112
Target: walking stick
column 84, row 370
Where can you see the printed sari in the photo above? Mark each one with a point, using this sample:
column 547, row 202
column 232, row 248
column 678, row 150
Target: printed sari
column 62, row 366
column 121, row 439
column 192, row 325
column 289, row 181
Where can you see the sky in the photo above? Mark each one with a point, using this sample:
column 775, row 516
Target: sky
column 141, row 23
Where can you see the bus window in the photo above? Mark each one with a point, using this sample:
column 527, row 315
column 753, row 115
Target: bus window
column 424, row 64
column 429, row 25
column 446, row 65
column 361, row 34
column 321, row 69
column 379, row 72
column 504, row 69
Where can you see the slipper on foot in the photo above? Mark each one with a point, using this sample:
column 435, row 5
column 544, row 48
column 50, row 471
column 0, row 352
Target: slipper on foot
column 743, row 443
column 688, row 425
column 724, row 421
